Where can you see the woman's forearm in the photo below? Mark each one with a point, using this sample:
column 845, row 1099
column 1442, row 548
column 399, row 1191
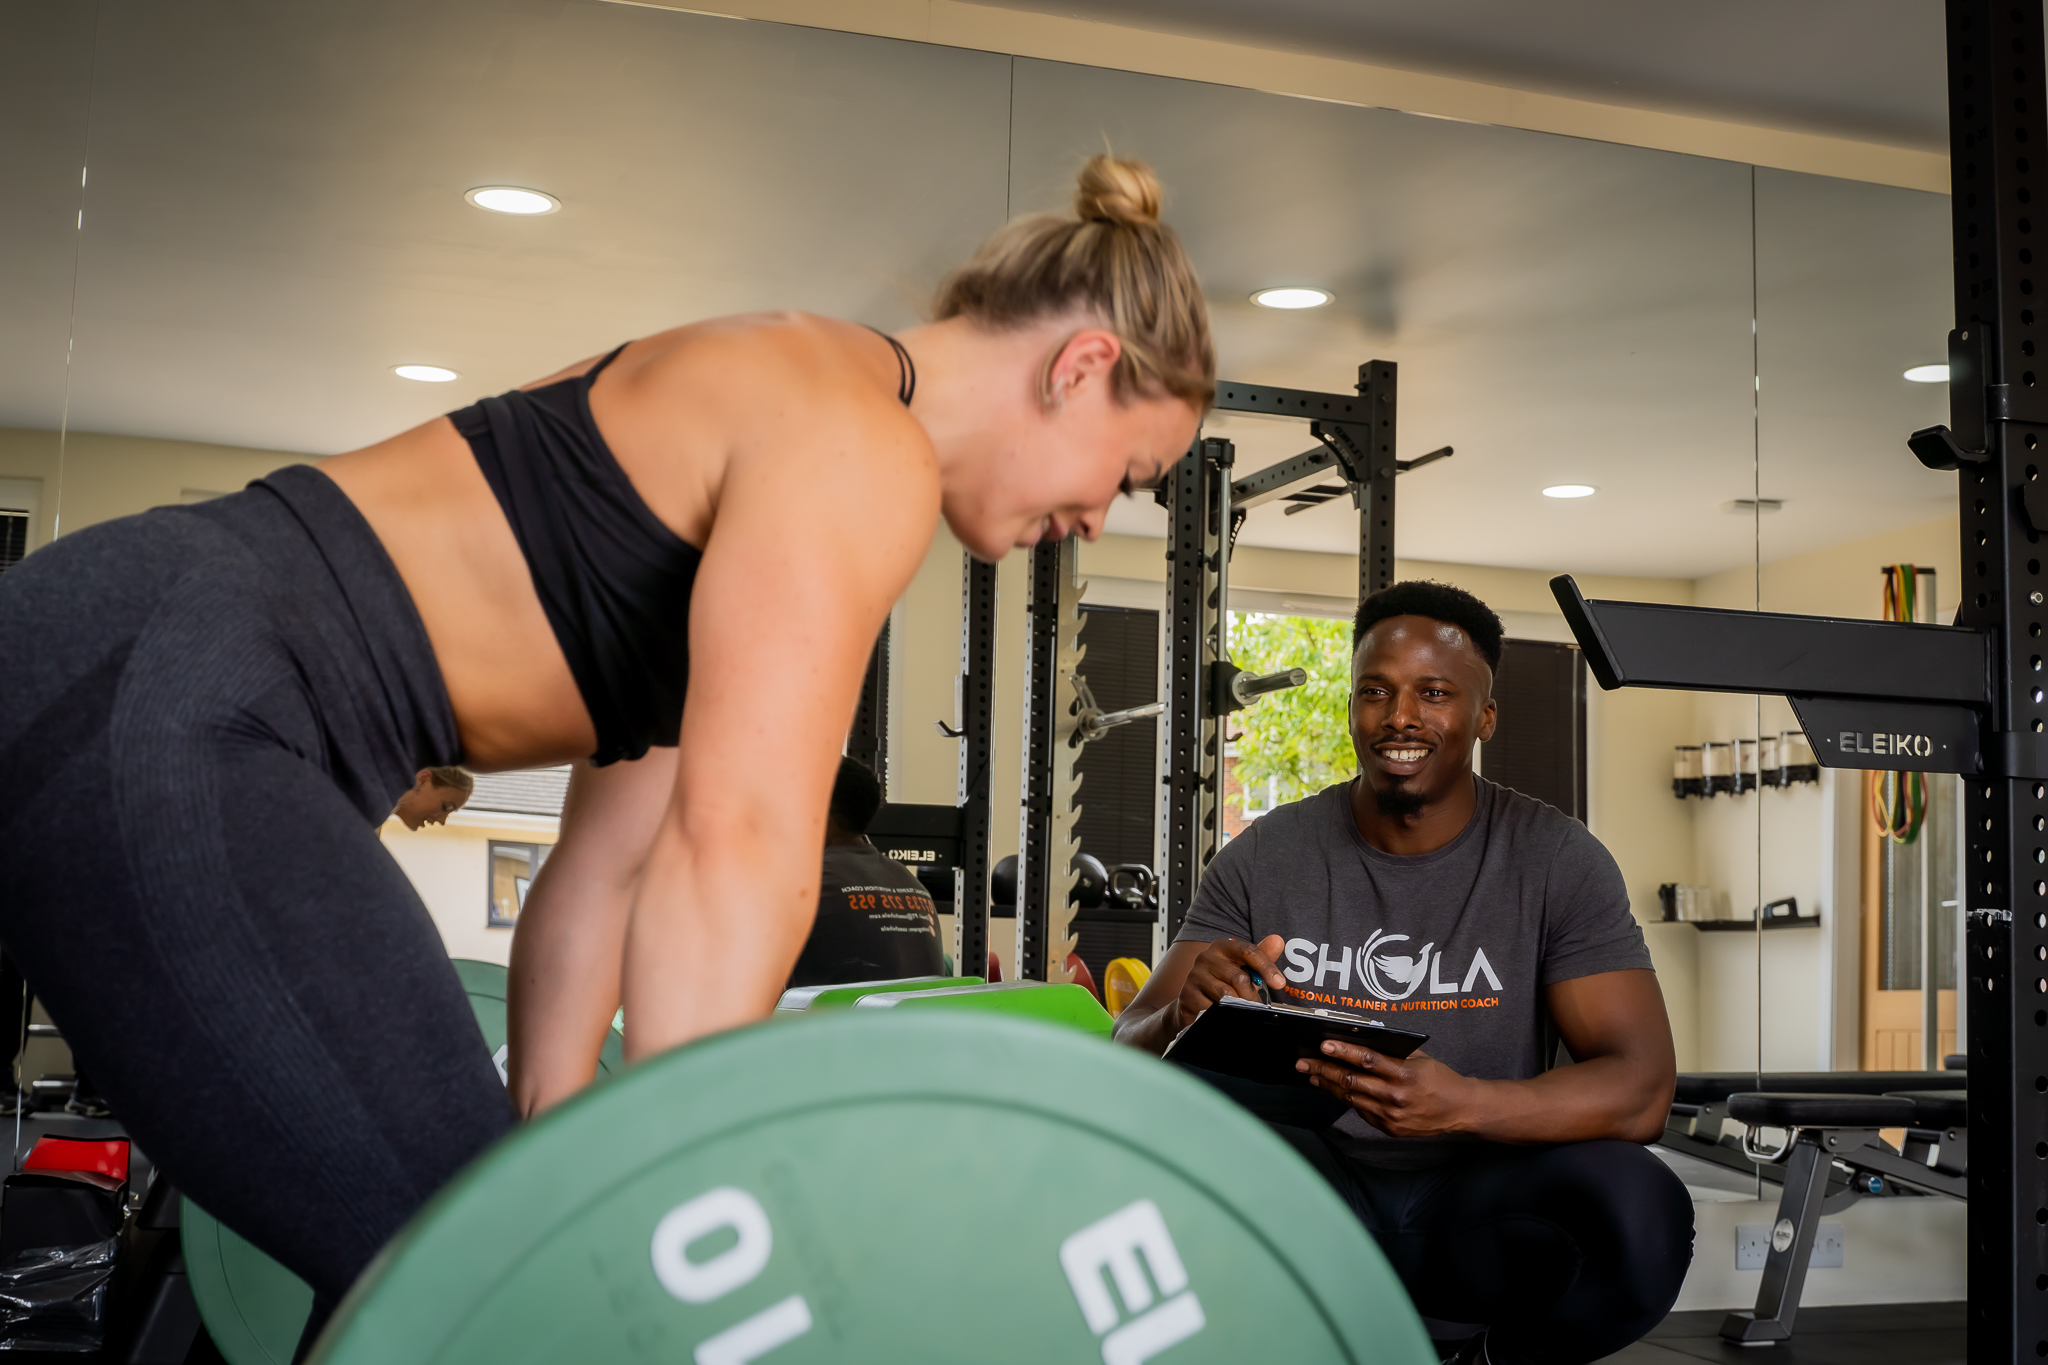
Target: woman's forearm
column 717, row 925
column 566, row 955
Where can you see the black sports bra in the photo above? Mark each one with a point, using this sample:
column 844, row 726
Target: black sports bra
column 615, row 583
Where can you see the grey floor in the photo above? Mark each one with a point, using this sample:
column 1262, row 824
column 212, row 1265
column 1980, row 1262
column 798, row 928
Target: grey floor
column 1866, row 1334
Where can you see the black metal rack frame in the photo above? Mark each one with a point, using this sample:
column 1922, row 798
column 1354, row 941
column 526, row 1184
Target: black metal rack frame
column 1969, row 699
column 947, row 843
column 1355, row 436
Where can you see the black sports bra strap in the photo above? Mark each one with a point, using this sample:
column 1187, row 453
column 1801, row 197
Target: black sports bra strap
column 590, row 375
column 906, row 371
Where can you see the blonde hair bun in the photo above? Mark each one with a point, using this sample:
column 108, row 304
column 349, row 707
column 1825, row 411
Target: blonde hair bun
column 1116, row 191
column 1115, row 259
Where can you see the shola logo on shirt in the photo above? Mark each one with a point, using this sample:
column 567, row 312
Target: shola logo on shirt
column 1390, row 975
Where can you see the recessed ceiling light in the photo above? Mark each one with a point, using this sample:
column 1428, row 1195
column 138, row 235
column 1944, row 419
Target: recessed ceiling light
column 1570, row 490
column 426, row 374
column 507, row 199
column 1292, row 298
column 1928, row 374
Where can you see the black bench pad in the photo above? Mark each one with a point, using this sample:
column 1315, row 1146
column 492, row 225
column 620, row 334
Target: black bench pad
column 1937, row 1108
column 1821, row 1111
column 1706, row 1087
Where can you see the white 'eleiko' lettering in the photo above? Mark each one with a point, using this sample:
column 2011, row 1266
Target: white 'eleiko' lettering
column 1167, row 1325
column 1114, row 1244
column 755, row 1337
column 702, row 1281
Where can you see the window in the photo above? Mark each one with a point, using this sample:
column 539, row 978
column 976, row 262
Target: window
column 13, row 537
column 1292, row 744
column 19, row 502
column 513, row 868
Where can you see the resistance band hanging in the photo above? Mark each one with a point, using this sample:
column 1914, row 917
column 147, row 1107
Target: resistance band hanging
column 1898, row 801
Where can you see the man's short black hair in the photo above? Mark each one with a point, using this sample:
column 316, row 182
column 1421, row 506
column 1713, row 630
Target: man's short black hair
column 1438, row 602
column 856, row 796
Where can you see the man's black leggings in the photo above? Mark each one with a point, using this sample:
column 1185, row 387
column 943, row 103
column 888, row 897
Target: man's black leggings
column 204, row 713
column 1566, row 1254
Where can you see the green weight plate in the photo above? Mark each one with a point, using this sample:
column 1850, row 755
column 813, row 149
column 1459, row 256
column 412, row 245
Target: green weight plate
column 485, row 983
column 846, row 992
column 893, row 1186
column 1060, row 1003
column 254, row 1309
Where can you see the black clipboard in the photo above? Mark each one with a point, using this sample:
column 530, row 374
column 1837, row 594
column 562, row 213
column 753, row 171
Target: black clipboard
column 1261, row 1043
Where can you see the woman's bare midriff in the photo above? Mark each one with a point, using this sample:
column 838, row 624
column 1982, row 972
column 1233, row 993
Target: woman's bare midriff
column 424, row 496
column 515, row 702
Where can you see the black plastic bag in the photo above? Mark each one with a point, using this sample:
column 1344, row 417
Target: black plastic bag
column 56, row 1298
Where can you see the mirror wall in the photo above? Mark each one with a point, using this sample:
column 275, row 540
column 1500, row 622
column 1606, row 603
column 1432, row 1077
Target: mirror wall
column 45, row 78
column 1854, row 288
column 274, row 220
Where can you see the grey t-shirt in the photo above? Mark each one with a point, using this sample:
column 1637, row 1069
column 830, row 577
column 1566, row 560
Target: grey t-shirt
column 1457, row 943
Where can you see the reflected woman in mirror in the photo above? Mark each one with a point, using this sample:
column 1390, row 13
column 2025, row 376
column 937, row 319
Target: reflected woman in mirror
column 667, row 564
column 435, row 794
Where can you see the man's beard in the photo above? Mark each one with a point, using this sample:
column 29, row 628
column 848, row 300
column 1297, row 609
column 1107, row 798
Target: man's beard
column 1398, row 802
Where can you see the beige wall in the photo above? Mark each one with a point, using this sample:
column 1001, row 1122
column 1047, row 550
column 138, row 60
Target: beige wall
column 89, row 477
column 1799, row 842
column 450, row 867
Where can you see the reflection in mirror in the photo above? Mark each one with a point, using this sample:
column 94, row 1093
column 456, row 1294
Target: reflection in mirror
column 280, row 230
column 281, row 225
column 1673, row 377
column 1565, row 315
column 45, row 83
column 1854, row 291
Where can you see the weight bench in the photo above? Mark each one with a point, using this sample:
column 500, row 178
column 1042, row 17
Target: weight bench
column 1701, row 1103
column 1829, row 1129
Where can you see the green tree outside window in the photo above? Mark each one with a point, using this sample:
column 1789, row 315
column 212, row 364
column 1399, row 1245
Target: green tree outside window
column 1299, row 738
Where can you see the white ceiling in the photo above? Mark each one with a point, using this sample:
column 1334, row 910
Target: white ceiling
column 1562, row 312
column 1865, row 69
column 274, row 218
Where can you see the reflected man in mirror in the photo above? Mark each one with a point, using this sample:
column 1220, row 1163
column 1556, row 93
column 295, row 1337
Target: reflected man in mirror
column 876, row 922
column 1515, row 1199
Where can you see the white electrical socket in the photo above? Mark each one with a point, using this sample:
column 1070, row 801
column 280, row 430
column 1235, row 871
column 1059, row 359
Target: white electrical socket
column 1753, row 1246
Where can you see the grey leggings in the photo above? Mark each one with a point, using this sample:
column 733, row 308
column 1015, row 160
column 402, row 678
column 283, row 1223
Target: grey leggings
column 203, row 714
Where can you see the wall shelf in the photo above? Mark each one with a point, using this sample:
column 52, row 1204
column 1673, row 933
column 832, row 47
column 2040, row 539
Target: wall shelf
column 1748, row 926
